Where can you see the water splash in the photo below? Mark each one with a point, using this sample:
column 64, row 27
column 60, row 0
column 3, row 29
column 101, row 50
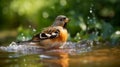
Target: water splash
column 22, row 37
column 91, row 18
column 20, row 48
column 69, row 47
column 32, row 29
column 26, row 34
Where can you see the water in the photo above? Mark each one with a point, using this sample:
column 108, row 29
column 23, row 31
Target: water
column 81, row 54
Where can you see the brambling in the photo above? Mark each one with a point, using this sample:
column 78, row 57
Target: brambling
column 53, row 36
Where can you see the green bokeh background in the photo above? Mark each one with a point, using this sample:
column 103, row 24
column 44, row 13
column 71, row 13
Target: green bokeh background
column 90, row 19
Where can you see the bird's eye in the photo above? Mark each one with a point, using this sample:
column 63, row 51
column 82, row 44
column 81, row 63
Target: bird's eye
column 64, row 18
column 61, row 19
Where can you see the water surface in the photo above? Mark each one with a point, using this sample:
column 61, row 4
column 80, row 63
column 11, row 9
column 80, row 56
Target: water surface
column 74, row 55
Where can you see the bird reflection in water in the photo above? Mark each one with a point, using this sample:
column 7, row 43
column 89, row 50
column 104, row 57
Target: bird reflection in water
column 55, row 59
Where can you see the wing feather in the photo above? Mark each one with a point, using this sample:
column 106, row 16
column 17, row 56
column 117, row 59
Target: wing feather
column 48, row 33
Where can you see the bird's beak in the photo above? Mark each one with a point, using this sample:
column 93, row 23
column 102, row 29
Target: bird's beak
column 67, row 20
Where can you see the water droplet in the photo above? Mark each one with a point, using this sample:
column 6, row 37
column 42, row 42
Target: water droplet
column 45, row 15
column 23, row 38
column 88, row 17
column 30, row 26
column 22, row 34
column 34, row 30
column 117, row 32
column 63, row 2
column 91, row 11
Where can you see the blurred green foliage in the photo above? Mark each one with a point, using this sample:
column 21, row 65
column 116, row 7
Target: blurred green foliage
column 90, row 19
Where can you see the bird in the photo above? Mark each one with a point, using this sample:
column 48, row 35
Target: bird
column 53, row 36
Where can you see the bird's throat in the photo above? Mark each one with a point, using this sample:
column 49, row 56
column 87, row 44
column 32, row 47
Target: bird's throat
column 64, row 26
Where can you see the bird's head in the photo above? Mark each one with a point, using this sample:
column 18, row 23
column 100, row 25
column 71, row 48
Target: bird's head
column 61, row 20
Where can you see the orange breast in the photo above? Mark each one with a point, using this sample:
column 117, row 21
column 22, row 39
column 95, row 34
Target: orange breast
column 62, row 36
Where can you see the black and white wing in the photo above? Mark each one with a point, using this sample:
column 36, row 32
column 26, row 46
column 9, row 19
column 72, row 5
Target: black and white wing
column 47, row 34
column 50, row 34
